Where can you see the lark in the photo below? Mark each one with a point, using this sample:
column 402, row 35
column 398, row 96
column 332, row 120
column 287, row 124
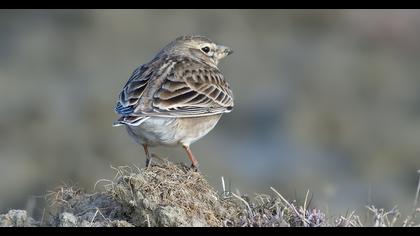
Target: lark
column 177, row 97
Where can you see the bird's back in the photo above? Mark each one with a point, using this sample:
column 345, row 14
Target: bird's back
column 175, row 86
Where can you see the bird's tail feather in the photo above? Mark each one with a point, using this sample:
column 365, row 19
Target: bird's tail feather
column 130, row 120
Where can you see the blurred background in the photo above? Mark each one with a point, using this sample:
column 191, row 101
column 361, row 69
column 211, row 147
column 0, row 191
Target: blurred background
column 325, row 100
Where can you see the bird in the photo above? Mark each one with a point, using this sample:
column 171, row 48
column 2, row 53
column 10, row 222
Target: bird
column 177, row 97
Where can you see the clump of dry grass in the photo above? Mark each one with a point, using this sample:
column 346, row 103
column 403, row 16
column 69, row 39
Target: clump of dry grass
column 166, row 194
column 70, row 205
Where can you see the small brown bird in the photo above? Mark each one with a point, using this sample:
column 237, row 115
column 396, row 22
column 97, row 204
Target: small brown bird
column 177, row 97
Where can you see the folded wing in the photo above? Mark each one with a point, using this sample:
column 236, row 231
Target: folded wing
column 185, row 88
column 192, row 89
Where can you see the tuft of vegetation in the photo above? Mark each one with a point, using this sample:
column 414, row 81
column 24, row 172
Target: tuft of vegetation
column 167, row 194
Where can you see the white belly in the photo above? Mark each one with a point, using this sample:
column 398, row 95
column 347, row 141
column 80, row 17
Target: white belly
column 172, row 131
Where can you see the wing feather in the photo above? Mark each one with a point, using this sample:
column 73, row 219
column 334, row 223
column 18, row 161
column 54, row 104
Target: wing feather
column 197, row 89
column 133, row 90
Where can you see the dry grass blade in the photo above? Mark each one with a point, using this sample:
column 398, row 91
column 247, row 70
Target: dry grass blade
column 291, row 207
column 246, row 204
column 305, row 204
column 416, row 198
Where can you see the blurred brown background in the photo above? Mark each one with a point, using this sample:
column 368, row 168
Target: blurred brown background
column 326, row 100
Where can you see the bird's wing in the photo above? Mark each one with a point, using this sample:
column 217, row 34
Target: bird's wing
column 133, row 90
column 189, row 89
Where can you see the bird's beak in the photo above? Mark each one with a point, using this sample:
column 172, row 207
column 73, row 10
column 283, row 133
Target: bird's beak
column 226, row 50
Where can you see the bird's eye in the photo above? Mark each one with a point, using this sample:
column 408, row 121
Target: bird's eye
column 205, row 49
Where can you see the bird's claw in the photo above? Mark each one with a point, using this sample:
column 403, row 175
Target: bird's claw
column 194, row 168
column 148, row 162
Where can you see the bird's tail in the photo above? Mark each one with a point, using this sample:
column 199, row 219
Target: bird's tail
column 130, row 120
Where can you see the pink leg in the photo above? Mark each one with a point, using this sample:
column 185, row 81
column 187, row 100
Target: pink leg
column 146, row 150
column 191, row 157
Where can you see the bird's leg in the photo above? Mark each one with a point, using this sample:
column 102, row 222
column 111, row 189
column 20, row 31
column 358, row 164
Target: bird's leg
column 146, row 150
column 194, row 161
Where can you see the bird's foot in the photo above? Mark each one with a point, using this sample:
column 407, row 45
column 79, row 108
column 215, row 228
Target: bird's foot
column 188, row 168
column 148, row 162
column 194, row 168
column 153, row 160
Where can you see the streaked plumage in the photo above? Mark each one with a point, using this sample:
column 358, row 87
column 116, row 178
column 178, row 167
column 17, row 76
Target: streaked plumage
column 178, row 96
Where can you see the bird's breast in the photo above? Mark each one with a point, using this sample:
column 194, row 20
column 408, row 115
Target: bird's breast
column 173, row 131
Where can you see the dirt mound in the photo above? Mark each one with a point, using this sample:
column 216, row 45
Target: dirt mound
column 168, row 194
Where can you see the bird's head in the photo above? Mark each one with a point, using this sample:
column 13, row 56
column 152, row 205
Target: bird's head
column 198, row 47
